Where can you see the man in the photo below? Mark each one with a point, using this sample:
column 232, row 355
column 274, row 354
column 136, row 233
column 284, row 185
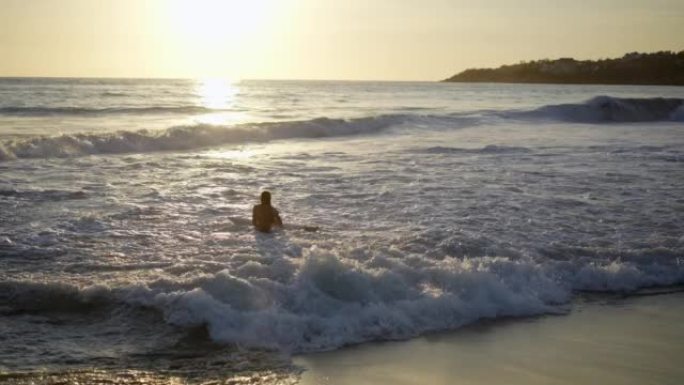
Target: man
column 265, row 216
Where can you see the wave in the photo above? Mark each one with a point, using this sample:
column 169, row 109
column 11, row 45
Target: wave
column 491, row 149
column 191, row 137
column 114, row 94
column 607, row 109
column 29, row 296
column 41, row 195
column 596, row 110
column 601, row 109
column 83, row 111
column 323, row 300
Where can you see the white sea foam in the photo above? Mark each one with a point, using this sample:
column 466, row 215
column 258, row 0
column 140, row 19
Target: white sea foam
column 326, row 298
column 332, row 303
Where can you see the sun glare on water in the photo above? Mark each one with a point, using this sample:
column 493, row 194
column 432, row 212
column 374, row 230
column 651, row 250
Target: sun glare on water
column 219, row 95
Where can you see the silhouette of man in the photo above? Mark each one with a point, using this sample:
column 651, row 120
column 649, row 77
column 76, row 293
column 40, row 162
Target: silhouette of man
column 265, row 216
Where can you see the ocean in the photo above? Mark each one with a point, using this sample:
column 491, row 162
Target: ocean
column 126, row 241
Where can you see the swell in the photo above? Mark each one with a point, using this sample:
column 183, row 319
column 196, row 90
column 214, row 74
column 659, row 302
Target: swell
column 40, row 195
column 595, row 110
column 607, row 109
column 83, row 111
column 18, row 297
column 489, row 149
column 598, row 110
column 190, row 137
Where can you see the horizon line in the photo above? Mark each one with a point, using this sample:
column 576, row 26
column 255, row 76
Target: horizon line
column 214, row 77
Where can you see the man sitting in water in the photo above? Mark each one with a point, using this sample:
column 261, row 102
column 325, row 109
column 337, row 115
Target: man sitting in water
column 265, row 216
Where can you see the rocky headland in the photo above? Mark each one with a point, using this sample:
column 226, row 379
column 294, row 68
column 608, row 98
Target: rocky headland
column 659, row 68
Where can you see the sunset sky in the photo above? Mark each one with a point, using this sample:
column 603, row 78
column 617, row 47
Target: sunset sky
column 320, row 39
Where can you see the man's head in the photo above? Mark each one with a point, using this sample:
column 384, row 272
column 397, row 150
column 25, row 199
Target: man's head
column 266, row 198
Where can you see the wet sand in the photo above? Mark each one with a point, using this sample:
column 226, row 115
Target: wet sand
column 635, row 340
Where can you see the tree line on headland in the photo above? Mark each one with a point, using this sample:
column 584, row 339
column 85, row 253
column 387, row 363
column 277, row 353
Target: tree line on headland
column 659, row 68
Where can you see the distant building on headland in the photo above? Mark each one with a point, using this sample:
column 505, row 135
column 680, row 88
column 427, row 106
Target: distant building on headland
column 659, row 68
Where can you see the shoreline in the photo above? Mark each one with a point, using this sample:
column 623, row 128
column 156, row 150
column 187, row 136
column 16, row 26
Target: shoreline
column 603, row 340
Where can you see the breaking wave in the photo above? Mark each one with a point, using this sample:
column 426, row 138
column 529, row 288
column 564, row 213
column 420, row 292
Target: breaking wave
column 190, row 137
column 601, row 109
column 29, row 296
column 323, row 300
column 606, row 109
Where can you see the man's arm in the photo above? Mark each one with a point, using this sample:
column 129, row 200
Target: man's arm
column 276, row 218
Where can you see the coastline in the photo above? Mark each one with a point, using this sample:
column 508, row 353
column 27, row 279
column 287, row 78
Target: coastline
column 603, row 340
column 559, row 83
column 657, row 68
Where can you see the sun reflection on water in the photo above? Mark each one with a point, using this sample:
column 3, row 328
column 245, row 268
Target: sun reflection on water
column 218, row 95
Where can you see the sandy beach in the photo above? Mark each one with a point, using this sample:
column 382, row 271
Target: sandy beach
column 636, row 340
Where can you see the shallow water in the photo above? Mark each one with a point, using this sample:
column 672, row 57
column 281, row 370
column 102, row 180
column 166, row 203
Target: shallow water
column 438, row 205
column 602, row 341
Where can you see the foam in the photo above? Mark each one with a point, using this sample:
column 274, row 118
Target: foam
column 330, row 301
column 5, row 154
column 327, row 299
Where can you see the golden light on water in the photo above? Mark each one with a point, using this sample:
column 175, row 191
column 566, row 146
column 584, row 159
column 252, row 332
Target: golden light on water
column 219, row 95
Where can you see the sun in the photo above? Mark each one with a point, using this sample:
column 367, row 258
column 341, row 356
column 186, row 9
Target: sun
column 219, row 38
column 218, row 24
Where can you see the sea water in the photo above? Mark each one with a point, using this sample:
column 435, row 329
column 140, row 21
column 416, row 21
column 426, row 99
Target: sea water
column 124, row 212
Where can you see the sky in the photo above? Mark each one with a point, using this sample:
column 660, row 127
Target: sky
column 321, row 39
